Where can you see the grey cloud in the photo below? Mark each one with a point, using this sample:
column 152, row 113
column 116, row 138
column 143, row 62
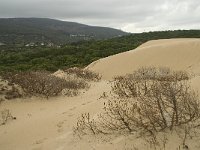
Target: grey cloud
column 130, row 15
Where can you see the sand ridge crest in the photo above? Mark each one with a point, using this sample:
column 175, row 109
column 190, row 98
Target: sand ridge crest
column 178, row 54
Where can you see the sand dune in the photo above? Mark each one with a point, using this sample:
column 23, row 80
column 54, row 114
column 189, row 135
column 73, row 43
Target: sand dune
column 48, row 124
column 178, row 54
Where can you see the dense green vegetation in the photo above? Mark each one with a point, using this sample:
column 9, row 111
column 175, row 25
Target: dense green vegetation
column 78, row 54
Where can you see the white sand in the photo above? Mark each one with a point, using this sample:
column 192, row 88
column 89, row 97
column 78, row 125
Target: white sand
column 180, row 54
column 47, row 124
column 51, row 121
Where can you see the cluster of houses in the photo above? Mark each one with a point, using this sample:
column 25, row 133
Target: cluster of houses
column 2, row 44
column 32, row 44
column 85, row 37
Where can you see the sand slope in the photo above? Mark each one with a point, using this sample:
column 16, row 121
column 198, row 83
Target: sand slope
column 47, row 124
column 180, row 54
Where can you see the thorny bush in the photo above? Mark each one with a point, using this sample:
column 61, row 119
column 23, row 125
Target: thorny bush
column 148, row 101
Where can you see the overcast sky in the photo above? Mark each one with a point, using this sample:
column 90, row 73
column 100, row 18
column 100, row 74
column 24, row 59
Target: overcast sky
column 128, row 15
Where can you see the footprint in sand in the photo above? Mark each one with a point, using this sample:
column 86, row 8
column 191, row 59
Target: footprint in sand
column 69, row 110
column 70, row 115
column 86, row 103
column 89, row 102
column 40, row 141
column 60, row 126
column 29, row 115
column 72, row 108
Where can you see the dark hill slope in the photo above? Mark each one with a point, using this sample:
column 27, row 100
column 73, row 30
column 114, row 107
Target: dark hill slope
column 26, row 30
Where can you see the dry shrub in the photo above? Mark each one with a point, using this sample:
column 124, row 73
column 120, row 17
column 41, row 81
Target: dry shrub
column 70, row 92
column 43, row 83
column 86, row 125
column 5, row 116
column 83, row 73
column 9, row 91
column 139, row 83
column 149, row 101
column 13, row 93
column 153, row 99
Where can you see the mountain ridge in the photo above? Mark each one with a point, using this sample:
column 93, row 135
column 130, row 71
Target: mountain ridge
column 26, row 30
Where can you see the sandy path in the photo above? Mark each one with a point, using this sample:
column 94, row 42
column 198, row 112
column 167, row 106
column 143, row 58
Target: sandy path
column 40, row 121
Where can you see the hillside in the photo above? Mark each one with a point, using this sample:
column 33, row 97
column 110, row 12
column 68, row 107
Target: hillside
column 40, row 30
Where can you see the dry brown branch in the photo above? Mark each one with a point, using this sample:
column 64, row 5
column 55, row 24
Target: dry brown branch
column 86, row 125
column 149, row 101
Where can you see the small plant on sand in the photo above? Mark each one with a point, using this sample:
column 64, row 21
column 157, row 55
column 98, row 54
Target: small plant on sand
column 13, row 93
column 83, row 73
column 86, row 125
column 5, row 116
column 9, row 91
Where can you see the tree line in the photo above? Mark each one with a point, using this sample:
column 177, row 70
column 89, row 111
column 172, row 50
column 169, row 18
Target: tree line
column 78, row 54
